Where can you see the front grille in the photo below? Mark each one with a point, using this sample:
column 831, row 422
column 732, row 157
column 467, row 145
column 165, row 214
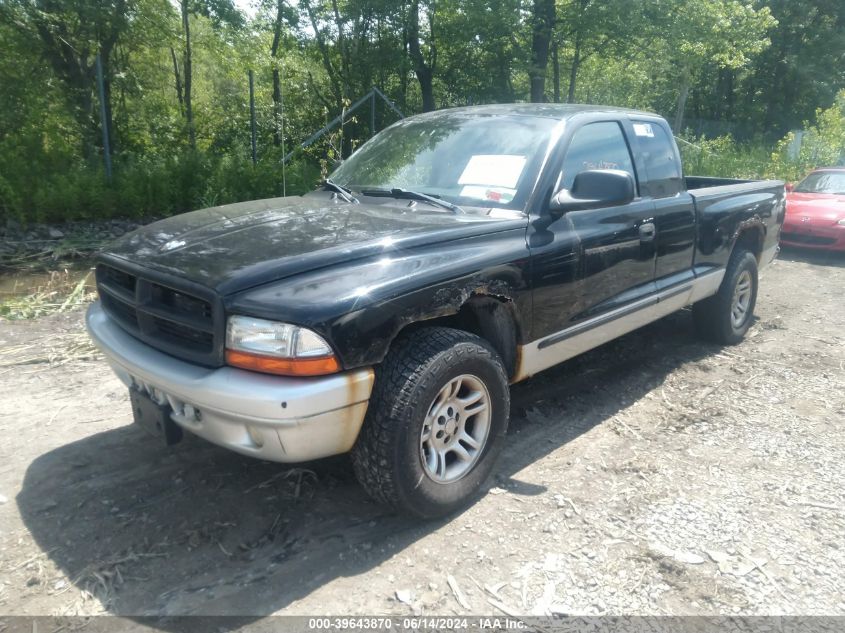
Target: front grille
column 183, row 323
column 803, row 238
column 124, row 314
column 118, row 278
column 181, row 303
column 183, row 335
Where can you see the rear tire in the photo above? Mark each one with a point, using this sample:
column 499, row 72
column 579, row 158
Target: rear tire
column 726, row 316
column 436, row 422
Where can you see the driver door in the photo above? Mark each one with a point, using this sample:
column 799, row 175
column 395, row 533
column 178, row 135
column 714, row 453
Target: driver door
column 588, row 263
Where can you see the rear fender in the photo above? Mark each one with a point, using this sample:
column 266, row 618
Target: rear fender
column 750, row 234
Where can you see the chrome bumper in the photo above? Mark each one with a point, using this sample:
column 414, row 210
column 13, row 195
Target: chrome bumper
column 276, row 418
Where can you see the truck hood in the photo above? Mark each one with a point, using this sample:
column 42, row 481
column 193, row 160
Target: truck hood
column 239, row 246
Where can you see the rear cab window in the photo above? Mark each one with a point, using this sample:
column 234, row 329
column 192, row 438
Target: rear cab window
column 657, row 149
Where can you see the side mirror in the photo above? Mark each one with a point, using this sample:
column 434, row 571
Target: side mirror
column 790, row 186
column 594, row 189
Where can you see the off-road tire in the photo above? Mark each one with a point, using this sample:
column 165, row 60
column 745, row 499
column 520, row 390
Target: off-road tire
column 386, row 456
column 712, row 316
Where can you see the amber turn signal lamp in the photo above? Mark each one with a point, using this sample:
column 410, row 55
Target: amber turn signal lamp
column 319, row 366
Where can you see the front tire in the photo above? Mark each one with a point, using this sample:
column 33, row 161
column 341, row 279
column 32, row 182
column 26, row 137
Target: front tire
column 726, row 316
column 436, row 422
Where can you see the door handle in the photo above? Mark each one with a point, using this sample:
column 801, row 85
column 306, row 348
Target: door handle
column 647, row 232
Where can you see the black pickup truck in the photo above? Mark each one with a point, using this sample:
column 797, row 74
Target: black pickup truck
column 387, row 312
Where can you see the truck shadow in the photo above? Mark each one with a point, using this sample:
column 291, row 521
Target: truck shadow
column 199, row 530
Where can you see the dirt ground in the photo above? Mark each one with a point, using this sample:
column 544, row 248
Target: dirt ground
column 654, row 475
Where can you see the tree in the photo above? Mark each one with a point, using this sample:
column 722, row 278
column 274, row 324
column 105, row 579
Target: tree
column 802, row 70
column 542, row 22
column 610, row 28
column 726, row 33
column 342, row 36
column 176, row 79
column 281, row 11
column 219, row 12
column 424, row 64
column 70, row 34
column 483, row 54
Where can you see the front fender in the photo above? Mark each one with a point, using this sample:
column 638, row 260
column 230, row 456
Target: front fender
column 360, row 307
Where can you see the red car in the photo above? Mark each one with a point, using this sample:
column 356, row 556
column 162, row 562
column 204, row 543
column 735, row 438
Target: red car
column 815, row 211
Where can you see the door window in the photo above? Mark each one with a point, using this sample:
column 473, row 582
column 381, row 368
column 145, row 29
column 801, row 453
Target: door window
column 596, row 146
column 661, row 163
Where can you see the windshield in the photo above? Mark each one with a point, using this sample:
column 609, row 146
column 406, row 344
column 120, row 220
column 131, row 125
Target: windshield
column 823, row 182
column 465, row 159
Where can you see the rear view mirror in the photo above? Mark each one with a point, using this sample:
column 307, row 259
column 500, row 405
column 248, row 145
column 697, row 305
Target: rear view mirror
column 594, row 189
column 789, row 186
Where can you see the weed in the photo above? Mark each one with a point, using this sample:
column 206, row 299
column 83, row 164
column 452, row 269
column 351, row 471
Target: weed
column 60, row 293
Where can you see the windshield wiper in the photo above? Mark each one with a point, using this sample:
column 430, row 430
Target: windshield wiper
column 407, row 194
column 340, row 190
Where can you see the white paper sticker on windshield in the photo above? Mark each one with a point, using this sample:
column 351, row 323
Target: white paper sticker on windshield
column 502, row 195
column 494, row 170
column 643, row 129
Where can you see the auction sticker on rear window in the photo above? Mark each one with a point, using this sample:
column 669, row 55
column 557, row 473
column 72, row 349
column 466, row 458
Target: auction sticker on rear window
column 493, row 170
column 644, row 129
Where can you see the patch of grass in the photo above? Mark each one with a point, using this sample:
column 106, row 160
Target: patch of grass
column 145, row 186
column 58, row 350
column 821, row 145
column 60, row 293
column 724, row 157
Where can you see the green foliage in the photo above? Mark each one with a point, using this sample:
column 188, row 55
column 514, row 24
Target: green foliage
column 486, row 68
column 726, row 33
column 736, row 74
column 724, row 157
column 155, row 187
column 822, row 145
column 786, row 83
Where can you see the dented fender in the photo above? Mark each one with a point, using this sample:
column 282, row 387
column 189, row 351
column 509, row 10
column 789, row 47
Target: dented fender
column 361, row 306
column 725, row 213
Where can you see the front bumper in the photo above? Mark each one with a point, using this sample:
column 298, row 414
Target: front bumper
column 282, row 419
column 813, row 235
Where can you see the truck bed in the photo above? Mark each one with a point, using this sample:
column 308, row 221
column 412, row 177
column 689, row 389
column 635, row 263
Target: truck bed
column 723, row 205
column 704, row 182
column 709, row 189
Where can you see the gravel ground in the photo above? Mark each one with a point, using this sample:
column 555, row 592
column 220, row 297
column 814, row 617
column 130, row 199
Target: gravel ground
column 654, row 475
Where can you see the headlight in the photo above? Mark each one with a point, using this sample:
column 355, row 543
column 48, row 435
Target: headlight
column 277, row 348
column 841, row 222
